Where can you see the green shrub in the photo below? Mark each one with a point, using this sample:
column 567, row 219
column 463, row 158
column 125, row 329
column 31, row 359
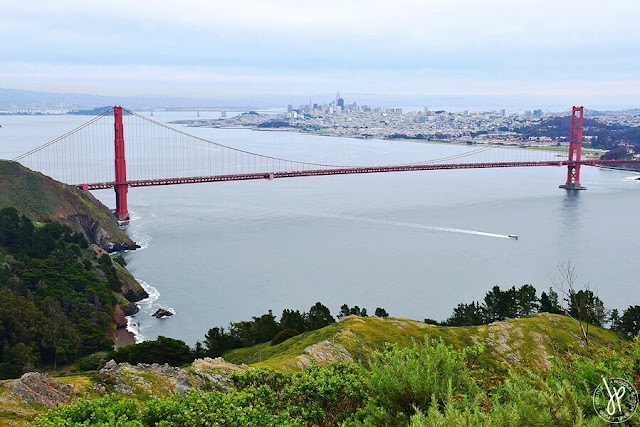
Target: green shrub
column 162, row 350
column 402, row 380
column 91, row 362
column 102, row 411
column 283, row 336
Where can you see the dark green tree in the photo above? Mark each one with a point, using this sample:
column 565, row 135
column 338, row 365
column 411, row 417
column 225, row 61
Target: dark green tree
column 217, row 341
column 381, row 312
column 498, row 304
column 318, row 317
column 344, row 311
column 466, row 315
column 264, row 328
column 614, row 320
column 630, row 321
column 527, row 300
column 550, row 303
column 242, row 333
column 291, row 319
column 162, row 350
column 585, row 306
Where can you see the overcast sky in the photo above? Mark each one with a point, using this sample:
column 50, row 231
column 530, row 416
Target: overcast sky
column 564, row 49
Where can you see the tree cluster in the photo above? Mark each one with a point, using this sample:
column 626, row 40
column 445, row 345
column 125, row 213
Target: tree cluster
column 265, row 328
column 345, row 311
column 56, row 302
column 582, row 305
column 499, row 305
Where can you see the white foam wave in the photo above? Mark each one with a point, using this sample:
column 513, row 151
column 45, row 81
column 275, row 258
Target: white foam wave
column 143, row 240
column 135, row 323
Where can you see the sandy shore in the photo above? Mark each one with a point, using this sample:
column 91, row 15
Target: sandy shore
column 124, row 338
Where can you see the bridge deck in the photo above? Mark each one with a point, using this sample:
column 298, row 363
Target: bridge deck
column 347, row 171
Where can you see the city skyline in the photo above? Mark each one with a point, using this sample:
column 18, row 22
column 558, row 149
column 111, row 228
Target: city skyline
column 566, row 52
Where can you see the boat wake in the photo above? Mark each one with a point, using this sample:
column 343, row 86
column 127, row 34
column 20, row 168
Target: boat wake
column 418, row 226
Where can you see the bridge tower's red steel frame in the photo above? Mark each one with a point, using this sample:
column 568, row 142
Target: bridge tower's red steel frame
column 121, row 187
column 575, row 149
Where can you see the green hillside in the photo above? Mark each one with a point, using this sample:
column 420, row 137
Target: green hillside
column 41, row 198
column 445, row 380
column 534, row 340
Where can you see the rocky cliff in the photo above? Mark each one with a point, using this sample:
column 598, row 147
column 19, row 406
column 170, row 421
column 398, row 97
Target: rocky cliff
column 43, row 199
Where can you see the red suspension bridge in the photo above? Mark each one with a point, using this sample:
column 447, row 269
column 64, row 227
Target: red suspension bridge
column 156, row 154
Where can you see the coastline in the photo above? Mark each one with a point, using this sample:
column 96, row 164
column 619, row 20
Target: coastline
column 549, row 148
column 124, row 337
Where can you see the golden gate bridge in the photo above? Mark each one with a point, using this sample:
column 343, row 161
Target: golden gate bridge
column 157, row 154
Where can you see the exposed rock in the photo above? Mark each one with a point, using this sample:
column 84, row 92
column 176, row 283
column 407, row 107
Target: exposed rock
column 131, row 288
column 34, row 387
column 119, row 316
column 164, row 380
column 95, row 233
column 323, row 352
column 100, row 389
column 161, row 312
column 130, row 309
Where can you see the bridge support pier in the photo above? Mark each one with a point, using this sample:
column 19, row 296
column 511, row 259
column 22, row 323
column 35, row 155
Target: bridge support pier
column 575, row 150
column 121, row 188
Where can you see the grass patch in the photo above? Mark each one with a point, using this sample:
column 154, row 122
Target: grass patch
column 531, row 341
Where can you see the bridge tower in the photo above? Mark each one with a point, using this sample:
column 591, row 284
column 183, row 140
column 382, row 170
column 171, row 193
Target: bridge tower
column 575, row 150
column 120, row 187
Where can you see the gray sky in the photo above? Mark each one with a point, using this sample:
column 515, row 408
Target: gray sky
column 552, row 48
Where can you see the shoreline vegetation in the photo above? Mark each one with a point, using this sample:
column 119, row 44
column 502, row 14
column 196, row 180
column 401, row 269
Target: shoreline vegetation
column 500, row 361
column 59, row 256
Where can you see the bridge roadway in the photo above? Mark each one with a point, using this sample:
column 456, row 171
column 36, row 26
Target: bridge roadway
column 349, row 170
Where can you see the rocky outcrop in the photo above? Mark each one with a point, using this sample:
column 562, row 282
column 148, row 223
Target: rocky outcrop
column 43, row 199
column 96, row 233
column 162, row 380
column 34, row 387
column 131, row 288
column 161, row 312
column 119, row 316
column 323, row 353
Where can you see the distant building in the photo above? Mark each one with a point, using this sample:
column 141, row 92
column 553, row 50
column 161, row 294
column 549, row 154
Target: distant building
column 289, row 108
column 340, row 103
column 503, row 112
column 537, row 113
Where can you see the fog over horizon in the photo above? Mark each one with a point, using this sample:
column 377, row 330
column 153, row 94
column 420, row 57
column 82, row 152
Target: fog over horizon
column 453, row 53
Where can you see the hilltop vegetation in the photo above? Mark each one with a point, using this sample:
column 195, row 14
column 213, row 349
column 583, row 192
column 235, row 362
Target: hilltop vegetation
column 534, row 341
column 42, row 199
column 420, row 382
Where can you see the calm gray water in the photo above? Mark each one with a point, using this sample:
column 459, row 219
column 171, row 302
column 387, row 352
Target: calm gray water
column 415, row 243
